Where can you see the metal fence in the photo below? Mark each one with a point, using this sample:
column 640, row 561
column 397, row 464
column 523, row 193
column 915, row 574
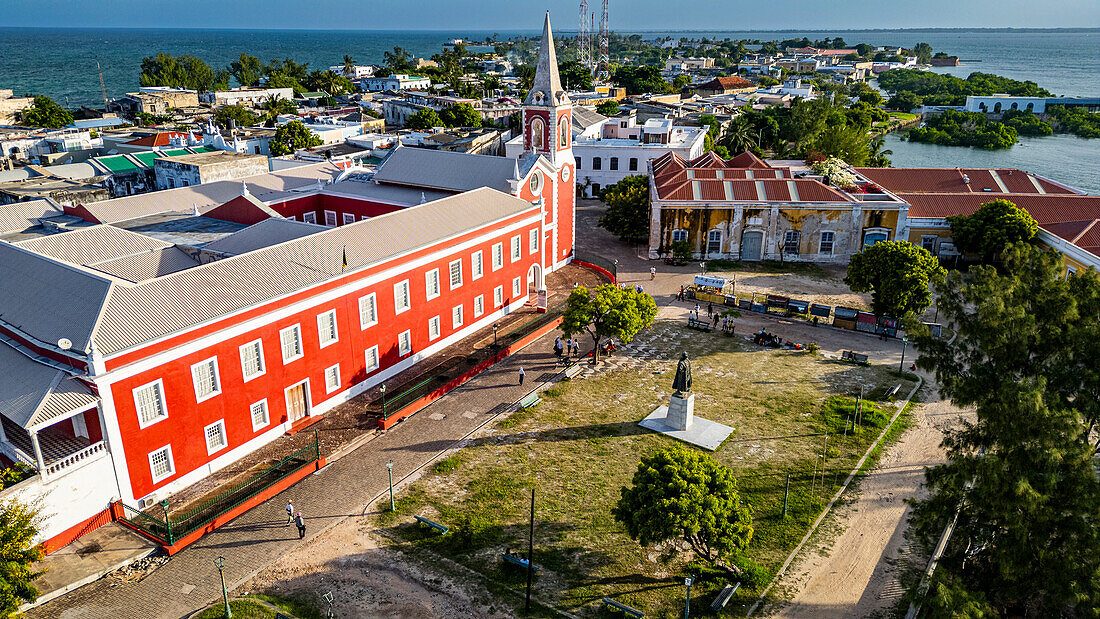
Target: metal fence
column 612, row 266
column 168, row 529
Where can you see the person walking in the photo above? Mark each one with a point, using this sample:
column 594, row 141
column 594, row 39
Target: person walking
column 697, row 310
column 652, row 272
column 568, row 348
column 289, row 513
column 522, row 375
column 301, row 524
column 557, row 347
column 716, row 317
column 576, row 348
column 710, row 309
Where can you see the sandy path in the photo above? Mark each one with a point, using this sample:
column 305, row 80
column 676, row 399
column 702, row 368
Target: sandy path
column 856, row 576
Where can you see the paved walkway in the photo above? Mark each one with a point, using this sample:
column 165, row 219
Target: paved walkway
column 189, row 580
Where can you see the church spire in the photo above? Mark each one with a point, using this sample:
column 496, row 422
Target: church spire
column 546, row 89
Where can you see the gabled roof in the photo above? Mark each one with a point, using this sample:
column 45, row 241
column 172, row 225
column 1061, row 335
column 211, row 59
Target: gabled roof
column 33, row 393
column 726, row 83
column 584, row 118
column 147, row 265
column 709, row 178
column 954, row 180
column 156, row 139
column 1046, row 209
column 93, row 244
column 746, row 160
column 445, row 170
column 263, row 234
column 22, row 215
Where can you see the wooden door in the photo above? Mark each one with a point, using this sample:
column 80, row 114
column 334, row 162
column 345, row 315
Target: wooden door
column 296, row 407
column 751, row 245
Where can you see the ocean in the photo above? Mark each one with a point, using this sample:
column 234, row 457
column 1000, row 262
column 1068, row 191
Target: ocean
column 62, row 63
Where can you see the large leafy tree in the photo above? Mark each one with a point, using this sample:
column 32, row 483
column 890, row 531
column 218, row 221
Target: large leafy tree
column 292, row 136
column 46, row 113
column 424, row 120
column 1021, row 476
column 185, row 71
column 398, row 61
column 641, row 80
column 608, row 108
column 574, row 75
column 897, row 274
column 18, row 552
column 681, row 494
column 628, row 208
column 992, row 228
column 243, row 116
column 461, row 115
column 607, row 312
column 247, row 70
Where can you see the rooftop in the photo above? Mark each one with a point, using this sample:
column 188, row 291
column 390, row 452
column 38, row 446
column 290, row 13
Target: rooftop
column 212, row 157
column 709, row 178
column 962, row 180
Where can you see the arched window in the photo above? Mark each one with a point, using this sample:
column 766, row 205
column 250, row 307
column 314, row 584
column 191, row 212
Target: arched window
column 1030, row 106
column 563, row 132
column 997, row 108
column 538, row 131
column 1015, row 105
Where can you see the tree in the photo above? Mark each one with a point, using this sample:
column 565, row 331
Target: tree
column 992, row 228
column 1021, row 475
column 739, row 136
column 641, row 80
column 878, row 156
column 608, row 312
column 897, row 274
column 681, row 494
column 905, row 101
column 461, row 115
column 17, row 554
column 185, row 71
column 526, row 75
column 923, row 52
column 681, row 81
column 243, row 116
column 628, row 211
column 398, row 61
column 424, row 119
column 608, row 108
column 247, row 70
column 349, row 66
column 276, row 106
column 292, row 136
column 46, row 113
column 574, row 75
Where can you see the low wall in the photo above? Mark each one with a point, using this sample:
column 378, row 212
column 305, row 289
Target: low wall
column 416, row 405
column 596, row 268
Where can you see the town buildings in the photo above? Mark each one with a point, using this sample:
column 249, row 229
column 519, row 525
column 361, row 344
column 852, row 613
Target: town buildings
column 245, row 96
column 156, row 100
column 184, row 329
column 11, row 106
column 396, row 82
column 173, row 171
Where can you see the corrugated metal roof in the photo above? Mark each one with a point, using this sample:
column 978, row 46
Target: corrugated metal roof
column 23, row 215
column 263, row 234
column 451, row 171
column 266, row 187
column 953, row 180
column 49, row 300
column 147, row 265
column 138, row 313
column 32, row 393
column 1045, row 208
column 93, row 244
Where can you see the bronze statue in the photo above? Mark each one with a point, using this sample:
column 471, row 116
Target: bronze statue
column 682, row 382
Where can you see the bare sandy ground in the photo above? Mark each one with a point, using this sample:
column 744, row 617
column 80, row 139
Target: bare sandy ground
column 857, row 576
column 366, row 579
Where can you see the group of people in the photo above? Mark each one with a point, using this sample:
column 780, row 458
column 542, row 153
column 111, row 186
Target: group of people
column 571, row 347
column 763, row 338
column 296, row 519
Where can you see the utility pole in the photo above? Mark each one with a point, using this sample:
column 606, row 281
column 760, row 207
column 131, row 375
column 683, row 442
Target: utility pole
column 605, row 56
column 786, row 493
column 530, row 553
column 584, row 38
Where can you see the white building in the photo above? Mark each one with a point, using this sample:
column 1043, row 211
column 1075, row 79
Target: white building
column 244, row 95
column 357, row 72
column 399, row 81
column 609, row 151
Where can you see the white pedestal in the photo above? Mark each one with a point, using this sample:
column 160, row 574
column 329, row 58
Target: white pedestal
column 681, row 412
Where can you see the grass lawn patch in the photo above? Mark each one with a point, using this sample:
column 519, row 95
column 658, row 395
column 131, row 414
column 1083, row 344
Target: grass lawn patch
column 583, row 443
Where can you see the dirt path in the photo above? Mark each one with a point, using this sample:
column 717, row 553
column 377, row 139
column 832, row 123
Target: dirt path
column 856, row 576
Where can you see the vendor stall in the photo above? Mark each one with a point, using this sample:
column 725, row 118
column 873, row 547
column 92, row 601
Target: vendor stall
column 711, row 289
column 845, row 317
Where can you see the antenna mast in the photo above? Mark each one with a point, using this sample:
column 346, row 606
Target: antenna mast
column 605, row 57
column 102, row 88
column 584, row 38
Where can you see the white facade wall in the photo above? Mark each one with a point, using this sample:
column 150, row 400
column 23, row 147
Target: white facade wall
column 252, row 96
column 69, row 497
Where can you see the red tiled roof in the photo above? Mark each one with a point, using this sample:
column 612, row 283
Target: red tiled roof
column 747, row 160
column 753, row 190
column 1083, row 234
column 156, row 139
column 953, row 180
column 727, row 83
column 1046, row 209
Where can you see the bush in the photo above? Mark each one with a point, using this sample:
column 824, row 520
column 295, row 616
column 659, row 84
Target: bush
column 812, row 348
column 753, row 575
column 681, row 250
column 447, row 465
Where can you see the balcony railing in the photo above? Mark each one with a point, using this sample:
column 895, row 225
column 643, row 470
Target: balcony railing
column 91, row 452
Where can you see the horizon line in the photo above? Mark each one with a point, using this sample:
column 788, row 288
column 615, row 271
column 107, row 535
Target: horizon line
column 563, row 31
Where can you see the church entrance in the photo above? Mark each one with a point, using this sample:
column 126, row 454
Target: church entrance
column 534, row 279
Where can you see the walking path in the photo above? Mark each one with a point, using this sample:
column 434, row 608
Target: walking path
column 343, row 489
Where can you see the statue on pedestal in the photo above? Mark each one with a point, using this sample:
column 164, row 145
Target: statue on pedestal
column 682, row 382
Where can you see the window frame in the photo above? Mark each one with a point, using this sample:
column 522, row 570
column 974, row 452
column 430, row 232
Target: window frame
column 477, row 267
column 220, row 424
column 458, row 316
column 171, row 464
column 349, row 218
column 309, row 217
column 252, row 414
column 451, row 274
column 398, row 309
column 339, row 381
column 517, row 248
column 597, row 163
column 498, row 248
column 479, row 305
column 260, row 359
column 404, row 343
column 334, row 220
column 435, row 328
column 821, row 243
column 517, row 287
column 367, row 365
column 711, row 241
column 428, row 284
column 335, row 332
column 613, row 164
column 533, row 241
column 297, row 327
column 372, row 300
column 797, row 241
column 159, row 384
column 632, row 164
column 681, row 232
column 498, row 297
column 216, row 376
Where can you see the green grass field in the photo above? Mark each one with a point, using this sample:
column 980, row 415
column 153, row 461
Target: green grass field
column 582, row 444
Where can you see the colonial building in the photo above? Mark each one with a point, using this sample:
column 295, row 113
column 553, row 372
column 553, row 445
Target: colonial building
column 148, row 341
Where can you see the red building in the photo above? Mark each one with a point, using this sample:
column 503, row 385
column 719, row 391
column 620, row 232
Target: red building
column 152, row 341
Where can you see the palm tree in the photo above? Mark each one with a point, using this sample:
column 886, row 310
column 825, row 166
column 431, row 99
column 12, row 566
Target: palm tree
column 349, row 66
column 877, row 156
column 738, row 137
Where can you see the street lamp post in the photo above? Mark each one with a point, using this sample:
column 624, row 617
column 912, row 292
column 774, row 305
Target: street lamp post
column 220, row 564
column 687, row 598
column 382, row 388
column 389, row 467
column 904, row 343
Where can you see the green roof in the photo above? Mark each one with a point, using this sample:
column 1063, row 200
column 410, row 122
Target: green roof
column 175, row 152
column 203, row 149
column 313, row 95
column 146, row 157
column 117, row 163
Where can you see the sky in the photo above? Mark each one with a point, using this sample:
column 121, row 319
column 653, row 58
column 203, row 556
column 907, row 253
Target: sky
column 511, row 15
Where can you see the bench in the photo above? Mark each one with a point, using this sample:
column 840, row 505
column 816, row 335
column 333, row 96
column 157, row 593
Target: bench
column 530, row 400
column 854, row 357
column 701, row 325
column 517, row 561
column 573, row 370
column 893, row 392
column 724, row 597
column 434, row 525
column 623, row 608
